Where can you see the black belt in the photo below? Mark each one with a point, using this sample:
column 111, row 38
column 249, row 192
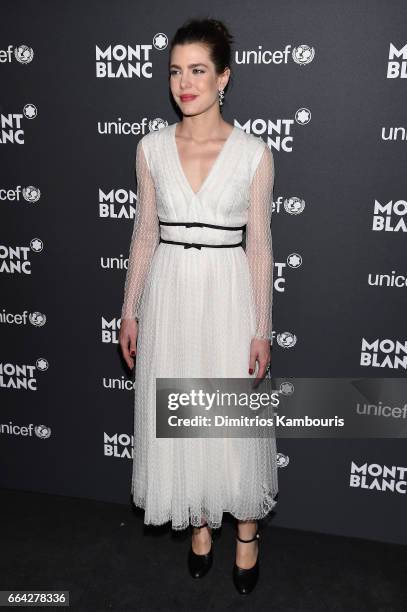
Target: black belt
column 197, row 245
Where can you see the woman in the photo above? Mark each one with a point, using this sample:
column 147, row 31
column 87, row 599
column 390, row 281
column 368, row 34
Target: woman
column 199, row 311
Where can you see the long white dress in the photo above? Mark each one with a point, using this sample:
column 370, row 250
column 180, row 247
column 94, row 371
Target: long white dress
column 198, row 310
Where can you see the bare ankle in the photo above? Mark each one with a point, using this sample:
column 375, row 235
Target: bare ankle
column 247, row 529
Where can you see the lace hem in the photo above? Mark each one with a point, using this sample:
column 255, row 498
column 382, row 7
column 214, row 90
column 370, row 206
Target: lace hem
column 266, row 505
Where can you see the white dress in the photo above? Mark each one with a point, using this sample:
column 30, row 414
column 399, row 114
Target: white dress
column 198, row 310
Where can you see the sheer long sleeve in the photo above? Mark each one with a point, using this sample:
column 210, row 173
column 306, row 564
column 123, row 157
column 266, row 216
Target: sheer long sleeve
column 144, row 240
column 259, row 249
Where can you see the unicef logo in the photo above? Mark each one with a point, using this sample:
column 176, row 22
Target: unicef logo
column 42, row 431
column 160, row 41
column 294, row 206
column 157, row 124
column 286, row 339
column 31, row 194
column 37, row 319
column 282, row 460
column 303, row 54
column 23, row 54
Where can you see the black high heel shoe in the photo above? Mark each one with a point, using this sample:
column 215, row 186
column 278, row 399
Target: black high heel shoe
column 246, row 579
column 199, row 565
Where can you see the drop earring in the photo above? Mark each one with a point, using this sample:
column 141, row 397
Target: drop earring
column 221, row 93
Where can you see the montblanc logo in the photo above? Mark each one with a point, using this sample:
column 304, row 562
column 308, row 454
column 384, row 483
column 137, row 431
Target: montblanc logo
column 117, row 203
column 37, row 319
column 301, row 55
column 125, row 61
column 390, row 217
column 127, row 128
column 23, row 54
column 11, row 127
column 110, row 330
column 303, row 116
column 118, row 445
column 392, row 279
column 397, row 62
column 294, row 261
column 279, row 132
column 22, row 376
column 378, row 477
column 384, row 353
column 43, row 432
column 16, row 259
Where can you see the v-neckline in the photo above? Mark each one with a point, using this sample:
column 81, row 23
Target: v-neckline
column 212, row 168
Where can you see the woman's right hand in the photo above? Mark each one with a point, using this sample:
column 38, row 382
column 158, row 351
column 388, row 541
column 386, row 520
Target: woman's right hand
column 128, row 339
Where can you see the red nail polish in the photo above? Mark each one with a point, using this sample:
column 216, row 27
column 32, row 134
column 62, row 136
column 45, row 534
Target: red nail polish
column 250, row 371
column 132, row 353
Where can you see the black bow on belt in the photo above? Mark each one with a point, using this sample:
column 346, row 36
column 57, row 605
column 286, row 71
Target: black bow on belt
column 193, row 224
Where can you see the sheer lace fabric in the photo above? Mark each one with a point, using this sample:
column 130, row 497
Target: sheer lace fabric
column 144, row 240
column 259, row 243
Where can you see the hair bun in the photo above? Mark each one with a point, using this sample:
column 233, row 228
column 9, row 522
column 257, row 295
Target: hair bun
column 220, row 26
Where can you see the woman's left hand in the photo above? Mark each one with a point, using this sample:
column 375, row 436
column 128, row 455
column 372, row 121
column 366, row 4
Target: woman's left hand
column 260, row 352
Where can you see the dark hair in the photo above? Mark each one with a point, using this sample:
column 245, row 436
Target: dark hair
column 212, row 33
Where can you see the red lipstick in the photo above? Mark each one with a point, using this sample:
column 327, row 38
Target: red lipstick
column 187, row 97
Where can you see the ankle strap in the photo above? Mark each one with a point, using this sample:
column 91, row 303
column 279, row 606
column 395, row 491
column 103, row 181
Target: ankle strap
column 200, row 526
column 256, row 537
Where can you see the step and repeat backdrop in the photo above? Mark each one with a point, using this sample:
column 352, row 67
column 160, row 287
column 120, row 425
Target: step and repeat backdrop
column 324, row 84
